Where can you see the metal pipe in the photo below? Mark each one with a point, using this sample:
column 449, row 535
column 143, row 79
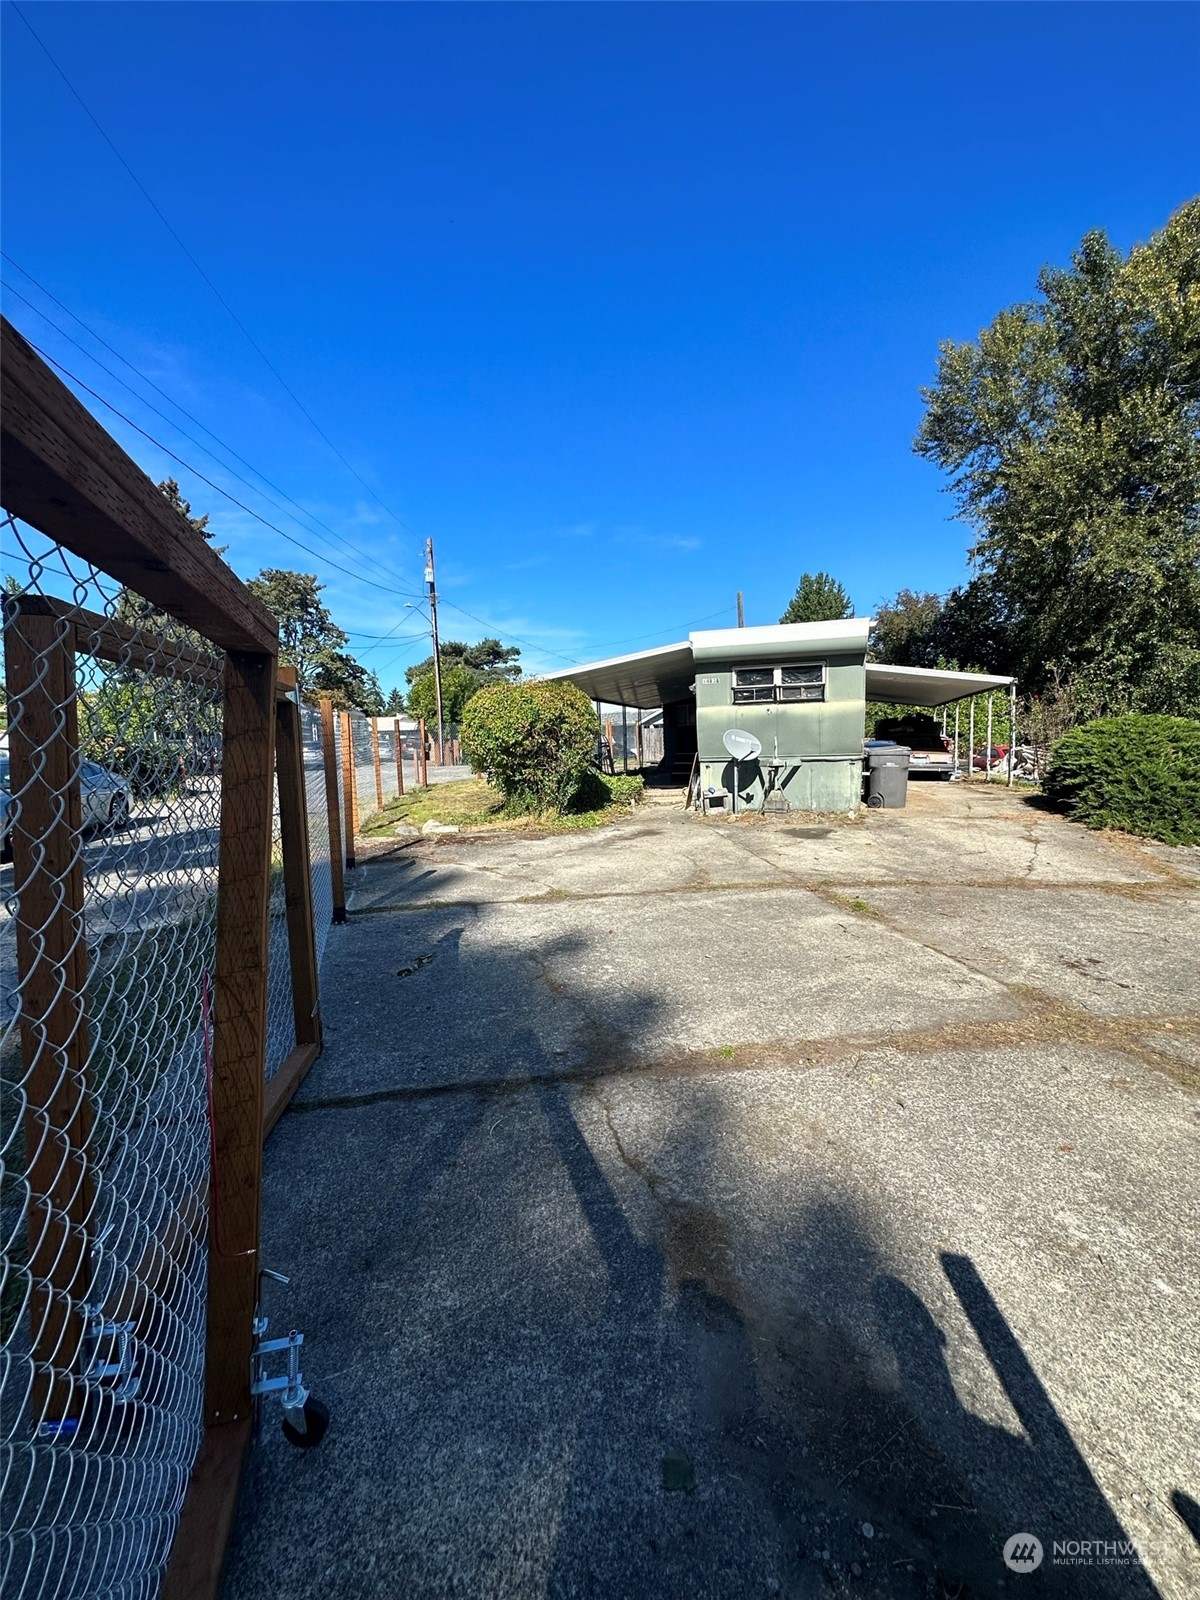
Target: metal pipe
column 625, row 738
column 987, row 764
column 956, row 710
column 971, row 739
column 1012, row 731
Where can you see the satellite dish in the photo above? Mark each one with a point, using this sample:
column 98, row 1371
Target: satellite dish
column 741, row 746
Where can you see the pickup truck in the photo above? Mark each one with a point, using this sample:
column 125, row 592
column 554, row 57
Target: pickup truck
column 931, row 755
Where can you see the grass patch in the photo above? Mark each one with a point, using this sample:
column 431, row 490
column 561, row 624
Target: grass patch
column 473, row 805
column 852, row 902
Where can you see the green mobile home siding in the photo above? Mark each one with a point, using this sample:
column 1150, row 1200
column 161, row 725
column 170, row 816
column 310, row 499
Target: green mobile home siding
column 819, row 743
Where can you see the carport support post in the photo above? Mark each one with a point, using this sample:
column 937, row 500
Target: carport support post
column 956, row 711
column 1012, row 730
column 971, row 739
column 987, row 764
column 625, row 740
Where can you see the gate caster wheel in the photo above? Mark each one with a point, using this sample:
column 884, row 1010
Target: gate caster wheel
column 316, row 1420
column 876, row 802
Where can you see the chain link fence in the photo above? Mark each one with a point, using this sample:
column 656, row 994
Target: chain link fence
column 110, row 789
column 111, row 762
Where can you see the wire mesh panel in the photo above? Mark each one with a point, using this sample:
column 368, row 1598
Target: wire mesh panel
column 364, row 765
column 109, row 810
column 317, row 809
column 281, row 1027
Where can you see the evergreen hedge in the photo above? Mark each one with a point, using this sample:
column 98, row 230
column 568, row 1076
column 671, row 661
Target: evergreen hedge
column 536, row 742
column 1137, row 773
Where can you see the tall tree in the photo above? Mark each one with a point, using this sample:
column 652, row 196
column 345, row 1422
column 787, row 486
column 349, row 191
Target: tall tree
column 394, row 704
column 489, row 658
column 903, row 631
column 1071, row 432
column 312, row 642
column 818, row 598
column 459, row 683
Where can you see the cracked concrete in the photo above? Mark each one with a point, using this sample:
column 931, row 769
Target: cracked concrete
column 859, row 1165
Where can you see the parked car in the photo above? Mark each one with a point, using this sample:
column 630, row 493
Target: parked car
column 931, row 755
column 104, row 799
column 5, row 808
column 104, row 796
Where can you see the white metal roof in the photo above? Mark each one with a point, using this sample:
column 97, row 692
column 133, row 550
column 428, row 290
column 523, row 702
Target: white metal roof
column 650, row 678
column 927, row 686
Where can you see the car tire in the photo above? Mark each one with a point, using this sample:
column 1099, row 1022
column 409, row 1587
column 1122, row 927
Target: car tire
column 118, row 811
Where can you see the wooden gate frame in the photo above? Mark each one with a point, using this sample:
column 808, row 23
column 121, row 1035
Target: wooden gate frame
column 63, row 474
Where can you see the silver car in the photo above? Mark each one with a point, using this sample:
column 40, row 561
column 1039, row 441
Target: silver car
column 104, row 800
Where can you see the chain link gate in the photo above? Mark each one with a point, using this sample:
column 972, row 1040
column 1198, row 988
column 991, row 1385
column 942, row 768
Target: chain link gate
column 160, row 909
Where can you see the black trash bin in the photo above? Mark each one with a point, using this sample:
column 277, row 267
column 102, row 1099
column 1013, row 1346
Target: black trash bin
column 887, row 774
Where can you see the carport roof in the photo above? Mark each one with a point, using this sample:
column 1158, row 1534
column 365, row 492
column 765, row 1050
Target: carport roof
column 656, row 677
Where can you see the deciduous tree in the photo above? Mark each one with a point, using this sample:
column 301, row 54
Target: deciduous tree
column 1071, row 432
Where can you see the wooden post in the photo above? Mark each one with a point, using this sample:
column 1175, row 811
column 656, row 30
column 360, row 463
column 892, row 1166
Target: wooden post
column 240, row 1029
column 375, row 758
column 333, row 810
column 52, row 970
column 424, row 779
column 399, row 756
column 297, row 871
column 349, row 785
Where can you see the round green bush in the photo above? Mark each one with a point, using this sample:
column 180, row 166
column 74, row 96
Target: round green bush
column 535, row 741
column 1140, row 774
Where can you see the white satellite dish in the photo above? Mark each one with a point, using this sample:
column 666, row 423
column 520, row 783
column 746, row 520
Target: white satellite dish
column 741, row 746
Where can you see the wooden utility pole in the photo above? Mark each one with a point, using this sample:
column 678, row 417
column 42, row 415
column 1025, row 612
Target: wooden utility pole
column 741, row 611
column 437, row 654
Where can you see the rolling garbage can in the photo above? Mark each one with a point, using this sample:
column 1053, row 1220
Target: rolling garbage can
column 887, row 774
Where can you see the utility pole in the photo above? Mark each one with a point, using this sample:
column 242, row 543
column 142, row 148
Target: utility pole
column 741, row 611
column 437, row 654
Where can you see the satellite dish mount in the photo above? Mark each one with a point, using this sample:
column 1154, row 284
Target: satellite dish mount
column 742, row 746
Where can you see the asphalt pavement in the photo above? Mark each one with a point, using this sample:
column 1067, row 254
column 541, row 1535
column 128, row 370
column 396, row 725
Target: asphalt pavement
column 694, row 1209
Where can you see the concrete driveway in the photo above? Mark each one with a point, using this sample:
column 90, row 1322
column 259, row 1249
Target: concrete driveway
column 696, row 1209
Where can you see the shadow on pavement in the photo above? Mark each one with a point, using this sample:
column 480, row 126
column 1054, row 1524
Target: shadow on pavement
column 516, row 1321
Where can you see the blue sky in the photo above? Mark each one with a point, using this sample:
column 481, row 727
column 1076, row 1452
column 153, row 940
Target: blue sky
column 627, row 306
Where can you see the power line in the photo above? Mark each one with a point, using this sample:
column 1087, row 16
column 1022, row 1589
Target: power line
column 233, row 499
column 189, row 437
column 158, row 389
column 149, row 198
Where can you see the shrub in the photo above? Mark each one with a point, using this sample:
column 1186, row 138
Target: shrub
column 535, row 741
column 597, row 790
column 1137, row 773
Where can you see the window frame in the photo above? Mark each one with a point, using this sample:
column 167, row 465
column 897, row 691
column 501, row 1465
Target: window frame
column 775, row 693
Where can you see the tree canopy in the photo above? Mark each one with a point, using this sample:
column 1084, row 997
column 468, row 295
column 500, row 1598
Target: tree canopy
column 1071, row 432
column 459, row 683
column 466, row 668
column 491, row 659
column 312, row 642
column 818, row 598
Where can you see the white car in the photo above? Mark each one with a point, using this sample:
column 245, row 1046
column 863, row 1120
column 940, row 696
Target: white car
column 104, row 799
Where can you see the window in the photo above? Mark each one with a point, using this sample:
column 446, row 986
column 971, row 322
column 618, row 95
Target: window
column 799, row 682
